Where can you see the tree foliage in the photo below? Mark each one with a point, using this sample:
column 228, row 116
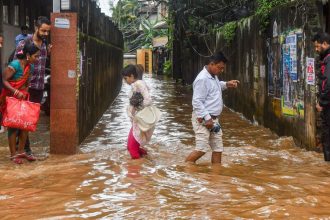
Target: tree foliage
column 264, row 8
column 199, row 17
column 132, row 18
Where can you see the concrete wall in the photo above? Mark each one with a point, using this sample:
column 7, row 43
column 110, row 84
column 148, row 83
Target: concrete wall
column 272, row 70
column 9, row 33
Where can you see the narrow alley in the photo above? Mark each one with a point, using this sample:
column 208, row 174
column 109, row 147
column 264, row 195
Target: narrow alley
column 262, row 175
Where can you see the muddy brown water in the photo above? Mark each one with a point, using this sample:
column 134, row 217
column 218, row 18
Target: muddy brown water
column 262, row 176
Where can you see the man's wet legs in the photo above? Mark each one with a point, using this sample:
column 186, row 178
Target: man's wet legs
column 194, row 156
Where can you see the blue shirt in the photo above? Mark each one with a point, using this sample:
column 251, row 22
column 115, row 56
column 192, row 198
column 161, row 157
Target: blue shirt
column 207, row 96
column 19, row 38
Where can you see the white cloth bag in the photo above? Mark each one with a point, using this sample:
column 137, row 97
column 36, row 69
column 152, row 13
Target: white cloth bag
column 147, row 118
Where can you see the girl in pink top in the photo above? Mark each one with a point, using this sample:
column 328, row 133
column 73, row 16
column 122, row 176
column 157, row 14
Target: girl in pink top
column 139, row 98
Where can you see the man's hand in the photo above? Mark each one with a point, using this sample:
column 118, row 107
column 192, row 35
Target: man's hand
column 318, row 107
column 232, row 84
column 49, row 48
column 209, row 124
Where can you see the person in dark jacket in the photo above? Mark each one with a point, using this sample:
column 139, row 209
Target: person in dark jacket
column 322, row 47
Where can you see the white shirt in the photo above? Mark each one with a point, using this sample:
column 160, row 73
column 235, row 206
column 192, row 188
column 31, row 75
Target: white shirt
column 207, row 97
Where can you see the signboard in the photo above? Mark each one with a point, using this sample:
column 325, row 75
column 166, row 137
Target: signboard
column 71, row 74
column 310, row 71
column 62, row 23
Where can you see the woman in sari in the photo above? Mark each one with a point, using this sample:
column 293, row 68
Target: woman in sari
column 16, row 84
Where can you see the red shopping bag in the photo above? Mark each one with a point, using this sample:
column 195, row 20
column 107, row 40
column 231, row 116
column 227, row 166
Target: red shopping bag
column 21, row 114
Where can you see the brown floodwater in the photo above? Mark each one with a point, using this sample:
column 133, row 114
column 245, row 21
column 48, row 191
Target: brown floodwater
column 262, row 176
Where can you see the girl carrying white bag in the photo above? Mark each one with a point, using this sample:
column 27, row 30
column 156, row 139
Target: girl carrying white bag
column 141, row 111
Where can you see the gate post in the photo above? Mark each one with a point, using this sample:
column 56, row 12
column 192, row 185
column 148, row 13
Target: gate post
column 64, row 113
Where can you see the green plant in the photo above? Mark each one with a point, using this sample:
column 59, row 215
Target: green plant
column 264, row 9
column 228, row 31
column 167, row 67
column 136, row 23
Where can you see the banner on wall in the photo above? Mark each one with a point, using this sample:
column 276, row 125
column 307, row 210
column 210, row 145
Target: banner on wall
column 292, row 74
column 310, row 71
column 287, row 81
column 296, row 109
column 286, row 71
column 291, row 43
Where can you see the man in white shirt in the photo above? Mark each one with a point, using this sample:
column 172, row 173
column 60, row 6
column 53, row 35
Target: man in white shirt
column 207, row 106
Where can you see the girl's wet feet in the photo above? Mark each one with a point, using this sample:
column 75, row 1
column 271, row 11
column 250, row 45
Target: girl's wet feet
column 16, row 159
column 143, row 152
column 29, row 157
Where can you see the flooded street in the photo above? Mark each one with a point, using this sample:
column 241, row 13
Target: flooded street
column 262, row 175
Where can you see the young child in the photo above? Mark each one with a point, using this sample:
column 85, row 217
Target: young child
column 139, row 98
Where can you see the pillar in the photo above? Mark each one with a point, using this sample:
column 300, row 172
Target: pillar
column 63, row 117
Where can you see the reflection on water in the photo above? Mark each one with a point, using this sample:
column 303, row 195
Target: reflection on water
column 262, row 175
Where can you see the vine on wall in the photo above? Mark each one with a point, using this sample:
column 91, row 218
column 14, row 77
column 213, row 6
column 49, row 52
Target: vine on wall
column 228, row 31
column 264, row 9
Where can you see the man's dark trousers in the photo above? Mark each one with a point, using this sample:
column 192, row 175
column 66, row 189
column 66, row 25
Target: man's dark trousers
column 325, row 115
column 35, row 96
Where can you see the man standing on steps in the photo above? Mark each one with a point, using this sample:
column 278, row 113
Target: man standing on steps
column 207, row 106
column 39, row 38
column 322, row 47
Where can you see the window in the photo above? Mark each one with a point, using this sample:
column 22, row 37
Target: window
column 27, row 18
column 65, row 5
column 16, row 15
column 5, row 14
column 27, row 21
